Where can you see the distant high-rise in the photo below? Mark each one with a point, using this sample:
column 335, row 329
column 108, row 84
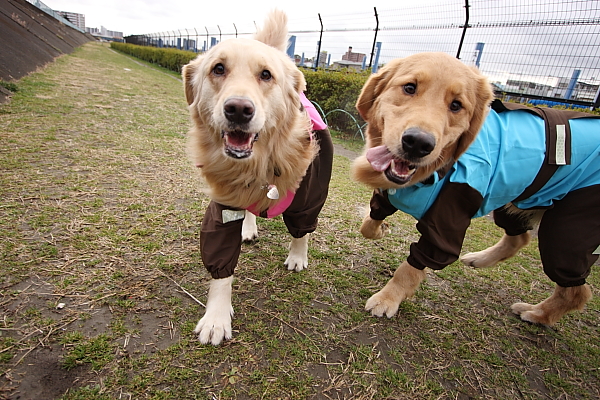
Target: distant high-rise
column 76, row 19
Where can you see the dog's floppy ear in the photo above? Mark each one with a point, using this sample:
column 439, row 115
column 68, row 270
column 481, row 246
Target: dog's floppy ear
column 482, row 97
column 373, row 88
column 187, row 74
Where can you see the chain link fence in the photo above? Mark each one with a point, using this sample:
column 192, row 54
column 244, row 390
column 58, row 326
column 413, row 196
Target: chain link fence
column 544, row 50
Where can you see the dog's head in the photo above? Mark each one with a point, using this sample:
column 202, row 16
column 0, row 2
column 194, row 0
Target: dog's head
column 242, row 89
column 423, row 112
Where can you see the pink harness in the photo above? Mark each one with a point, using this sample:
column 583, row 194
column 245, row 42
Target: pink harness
column 285, row 202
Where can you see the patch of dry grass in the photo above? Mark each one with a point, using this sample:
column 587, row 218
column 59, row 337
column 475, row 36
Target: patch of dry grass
column 100, row 213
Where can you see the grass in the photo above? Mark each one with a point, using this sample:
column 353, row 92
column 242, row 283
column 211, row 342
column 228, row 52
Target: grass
column 100, row 213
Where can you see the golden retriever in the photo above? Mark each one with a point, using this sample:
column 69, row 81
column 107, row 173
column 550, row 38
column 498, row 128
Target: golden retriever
column 423, row 149
column 257, row 148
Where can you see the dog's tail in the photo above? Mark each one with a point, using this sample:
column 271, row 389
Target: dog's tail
column 274, row 31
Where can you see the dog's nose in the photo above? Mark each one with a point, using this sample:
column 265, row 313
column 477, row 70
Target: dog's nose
column 417, row 143
column 238, row 110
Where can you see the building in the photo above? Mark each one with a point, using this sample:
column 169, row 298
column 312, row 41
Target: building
column 76, row 19
column 556, row 87
column 353, row 57
column 104, row 33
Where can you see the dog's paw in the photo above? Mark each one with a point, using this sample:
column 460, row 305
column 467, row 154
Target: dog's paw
column 249, row 236
column 213, row 329
column 479, row 259
column 380, row 304
column 249, row 228
column 374, row 229
column 530, row 313
column 297, row 259
column 296, row 262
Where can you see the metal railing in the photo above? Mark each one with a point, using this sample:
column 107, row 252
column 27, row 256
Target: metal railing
column 547, row 50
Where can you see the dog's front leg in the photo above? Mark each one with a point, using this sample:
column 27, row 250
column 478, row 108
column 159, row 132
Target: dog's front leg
column 249, row 228
column 373, row 228
column 297, row 258
column 402, row 286
column 215, row 325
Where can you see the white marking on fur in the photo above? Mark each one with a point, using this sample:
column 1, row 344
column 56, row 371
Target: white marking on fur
column 215, row 325
column 297, row 259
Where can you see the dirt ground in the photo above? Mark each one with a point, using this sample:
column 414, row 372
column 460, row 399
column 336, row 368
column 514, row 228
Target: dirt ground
column 100, row 213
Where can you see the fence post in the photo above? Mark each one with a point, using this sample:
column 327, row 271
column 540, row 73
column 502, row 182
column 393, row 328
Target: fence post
column 596, row 104
column 291, row 46
column 572, row 84
column 375, row 38
column 376, row 66
column 319, row 44
column 462, row 38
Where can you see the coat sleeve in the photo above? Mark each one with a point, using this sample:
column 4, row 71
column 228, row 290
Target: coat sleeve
column 444, row 225
column 220, row 241
column 380, row 205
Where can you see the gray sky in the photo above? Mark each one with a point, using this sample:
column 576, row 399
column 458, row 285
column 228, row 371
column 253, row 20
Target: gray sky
column 149, row 16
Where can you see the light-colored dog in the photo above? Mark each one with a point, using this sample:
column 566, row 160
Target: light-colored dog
column 424, row 156
column 256, row 147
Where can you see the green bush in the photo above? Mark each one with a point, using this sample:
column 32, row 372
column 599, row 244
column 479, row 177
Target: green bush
column 336, row 90
column 332, row 90
column 12, row 87
column 171, row 59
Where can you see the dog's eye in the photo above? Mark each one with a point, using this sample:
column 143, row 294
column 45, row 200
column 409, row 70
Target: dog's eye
column 455, row 106
column 266, row 75
column 410, row 88
column 219, row 69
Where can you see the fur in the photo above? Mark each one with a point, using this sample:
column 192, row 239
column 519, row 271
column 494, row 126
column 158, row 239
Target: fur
column 283, row 150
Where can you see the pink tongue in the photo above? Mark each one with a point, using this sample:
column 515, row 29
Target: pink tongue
column 379, row 157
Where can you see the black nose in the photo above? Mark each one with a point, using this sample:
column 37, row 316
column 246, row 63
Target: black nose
column 238, row 110
column 417, row 143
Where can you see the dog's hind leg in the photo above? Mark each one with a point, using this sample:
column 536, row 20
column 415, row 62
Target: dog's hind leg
column 549, row 311
column 507, row 247
column 249, row 229
column 215, row 325
column 297, row 258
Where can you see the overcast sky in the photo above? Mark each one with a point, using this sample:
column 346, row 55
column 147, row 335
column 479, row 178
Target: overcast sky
column 148, row 16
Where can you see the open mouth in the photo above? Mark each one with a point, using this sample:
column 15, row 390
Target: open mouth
column 396, row 169
column 238, row 144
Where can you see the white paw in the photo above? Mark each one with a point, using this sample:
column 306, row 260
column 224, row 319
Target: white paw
column 297, row 259
column 215, row 325
column 214, row 328
column 249, row 228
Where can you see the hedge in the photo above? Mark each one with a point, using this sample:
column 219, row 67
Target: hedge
column 171, row 59
column 330, row 89
column 336, row 90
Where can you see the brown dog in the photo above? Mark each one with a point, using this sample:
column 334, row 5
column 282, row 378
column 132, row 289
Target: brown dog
column 262, row 151
column 423, row 151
